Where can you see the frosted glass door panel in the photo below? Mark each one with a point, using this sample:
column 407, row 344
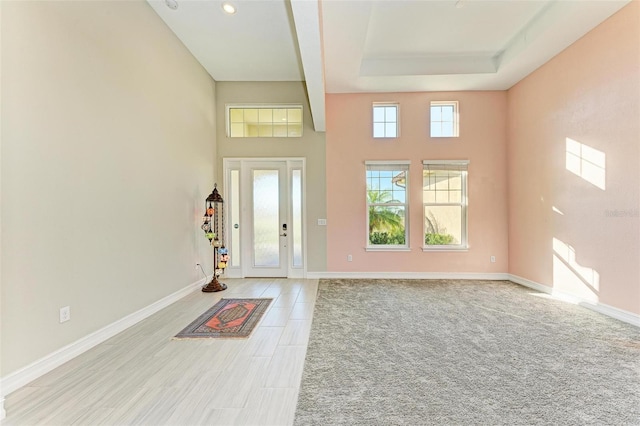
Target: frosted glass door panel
column 266, row 219
column 296, row 205
column 234, row 250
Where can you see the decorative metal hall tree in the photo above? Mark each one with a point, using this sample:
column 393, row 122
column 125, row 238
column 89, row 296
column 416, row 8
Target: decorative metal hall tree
column 213, row 227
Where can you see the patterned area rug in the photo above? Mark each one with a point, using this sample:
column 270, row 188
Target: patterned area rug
column 229, row 318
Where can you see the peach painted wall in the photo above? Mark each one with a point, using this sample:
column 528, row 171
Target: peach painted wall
column 590, row 94
column 350, row 143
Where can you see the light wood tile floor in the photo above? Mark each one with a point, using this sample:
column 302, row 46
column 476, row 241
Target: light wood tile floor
column 142, row 376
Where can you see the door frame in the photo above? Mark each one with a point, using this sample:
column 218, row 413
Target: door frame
column 240, row 164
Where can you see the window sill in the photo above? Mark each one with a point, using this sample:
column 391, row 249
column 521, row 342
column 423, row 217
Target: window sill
column 442, row 248
column 387, row 248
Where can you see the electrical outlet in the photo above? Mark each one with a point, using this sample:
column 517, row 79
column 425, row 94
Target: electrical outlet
column 65, row 314
column 349, row 258
column 493, row 259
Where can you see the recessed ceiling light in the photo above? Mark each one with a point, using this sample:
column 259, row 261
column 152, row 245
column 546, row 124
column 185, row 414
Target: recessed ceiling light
column 171, row 4
column 459, row 4
column 228, row 8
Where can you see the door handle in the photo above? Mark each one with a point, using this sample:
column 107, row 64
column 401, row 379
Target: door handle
column 284, row 234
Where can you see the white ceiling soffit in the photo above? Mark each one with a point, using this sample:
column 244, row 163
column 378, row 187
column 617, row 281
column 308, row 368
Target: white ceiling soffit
column 260, row 42
column 257, row 43
column 448, row 45
column 306, row 14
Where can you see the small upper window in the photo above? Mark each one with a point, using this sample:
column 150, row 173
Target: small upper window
column 247, row 121
column 385, row 120
column 444, row 119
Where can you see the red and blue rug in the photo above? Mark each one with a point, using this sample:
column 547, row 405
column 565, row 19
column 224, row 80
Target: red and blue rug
column 229, row 318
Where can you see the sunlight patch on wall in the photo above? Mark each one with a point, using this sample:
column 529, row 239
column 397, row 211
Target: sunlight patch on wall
column 586, row 162
column 571, row 277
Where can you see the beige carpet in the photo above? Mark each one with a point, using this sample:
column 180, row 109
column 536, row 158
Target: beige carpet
column 418, row 352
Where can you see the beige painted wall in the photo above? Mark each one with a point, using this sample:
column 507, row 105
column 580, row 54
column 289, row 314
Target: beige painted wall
column 108, row 148
column 310, row 146
column 578, row 231
column 482, row 141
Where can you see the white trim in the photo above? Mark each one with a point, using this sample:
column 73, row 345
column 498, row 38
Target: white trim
column 610, row 311
column 388, row 163
column 464, row 162
column 25, row 375
column 289, row 163
column 412, row 275
column 451, row 248
column 387, row 247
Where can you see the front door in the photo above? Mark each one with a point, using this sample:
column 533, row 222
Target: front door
column 266, row 196
column 265, row 217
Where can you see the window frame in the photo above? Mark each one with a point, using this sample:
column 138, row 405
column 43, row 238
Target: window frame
column 259, row 106
column 463, row 166
column 456, row 118
column 392, row 165
column 375, row 105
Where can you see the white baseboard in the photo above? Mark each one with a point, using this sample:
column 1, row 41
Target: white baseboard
column 55, row 359
column 619, row 314
column 412, row 275
column 610, row 311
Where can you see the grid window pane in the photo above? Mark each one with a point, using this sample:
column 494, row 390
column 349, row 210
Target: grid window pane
column 236, row 115
column 444, row 119
column 444, row 201
column 385, row 121
column 237, row 130
column 265, row 115
column 294, row 115
column 436, row 129
column 387, row 206
column 265, row 130
column 265, row 122
column 378, row 130
column 436, row 113
column 429, row 196
column 280, row 130
column 390, row 114
column 279, row 115
column 447, row 129
column 378, row 114
column 390, row 130
column 250, row 115
column 294, row 130
column 447, row 113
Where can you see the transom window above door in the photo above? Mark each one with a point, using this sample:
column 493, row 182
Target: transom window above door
column 264, row 121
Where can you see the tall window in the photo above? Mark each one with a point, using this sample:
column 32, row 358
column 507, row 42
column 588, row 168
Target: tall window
column 444, row 195
column 258, row 121
column 444, row 119
column 387, row 205
column 385, row 120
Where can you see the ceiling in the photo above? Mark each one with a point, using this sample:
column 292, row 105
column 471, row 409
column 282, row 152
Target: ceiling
column 351, row 46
